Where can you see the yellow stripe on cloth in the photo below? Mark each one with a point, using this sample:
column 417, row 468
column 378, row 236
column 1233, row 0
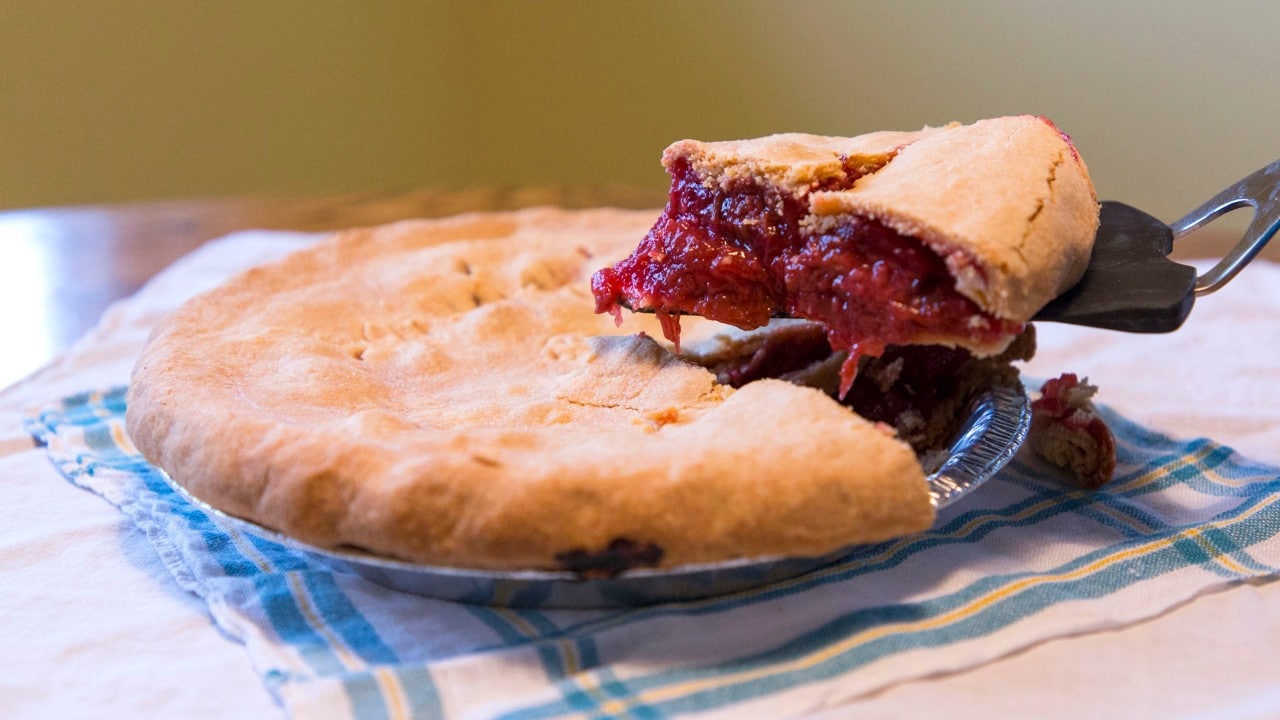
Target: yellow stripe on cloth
column 1194, row 459
column 574, row 671
column 246, row 548
column 307, row 608
column 393, row 693
column 121, row 438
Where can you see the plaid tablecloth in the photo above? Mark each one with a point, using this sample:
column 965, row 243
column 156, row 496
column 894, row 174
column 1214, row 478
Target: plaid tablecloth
column 1022, row 560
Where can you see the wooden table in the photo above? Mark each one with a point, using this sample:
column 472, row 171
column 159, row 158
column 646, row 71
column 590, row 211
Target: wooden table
column 61, row 267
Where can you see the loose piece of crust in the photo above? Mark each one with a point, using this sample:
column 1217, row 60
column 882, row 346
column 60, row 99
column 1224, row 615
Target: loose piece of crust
column 1068, row 431
column 441, row 392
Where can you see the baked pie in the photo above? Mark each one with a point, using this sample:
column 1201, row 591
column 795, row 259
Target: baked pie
column 949, row 236
column 444, row 392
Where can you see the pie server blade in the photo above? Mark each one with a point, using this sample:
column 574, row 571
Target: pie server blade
column 1131, row 285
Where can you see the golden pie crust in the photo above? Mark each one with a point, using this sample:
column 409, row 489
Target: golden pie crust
column 442, row 392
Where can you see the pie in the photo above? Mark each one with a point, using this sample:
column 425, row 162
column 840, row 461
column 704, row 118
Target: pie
column 951, row 236
column 442, row 392
column 445, row 392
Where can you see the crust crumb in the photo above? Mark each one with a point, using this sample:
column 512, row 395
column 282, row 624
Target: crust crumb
column 485, row 460
column 1067, row 431
column 661, row 417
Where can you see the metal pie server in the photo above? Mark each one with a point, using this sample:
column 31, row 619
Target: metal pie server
column 1132, row 285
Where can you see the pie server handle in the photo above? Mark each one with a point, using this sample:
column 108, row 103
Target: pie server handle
column 1132, row 285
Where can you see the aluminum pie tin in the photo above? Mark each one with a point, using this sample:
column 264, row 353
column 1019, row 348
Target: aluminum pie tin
column 996, row 425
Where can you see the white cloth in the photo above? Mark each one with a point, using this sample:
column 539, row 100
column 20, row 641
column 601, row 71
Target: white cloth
column 92, row 623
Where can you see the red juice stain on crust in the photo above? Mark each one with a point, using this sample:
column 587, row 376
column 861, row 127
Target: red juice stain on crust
column 1065, row 137
column 620, row 555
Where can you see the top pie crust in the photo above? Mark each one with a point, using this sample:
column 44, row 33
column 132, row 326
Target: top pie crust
column 442, row 392
column 794, row 161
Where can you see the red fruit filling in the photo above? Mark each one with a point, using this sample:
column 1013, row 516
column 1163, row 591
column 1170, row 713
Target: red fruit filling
column 740, row 256
column 782, row 352
column 906, row 380
column 918, row 390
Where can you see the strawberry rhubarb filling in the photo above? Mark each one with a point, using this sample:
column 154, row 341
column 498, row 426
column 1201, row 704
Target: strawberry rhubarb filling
column 741, row 253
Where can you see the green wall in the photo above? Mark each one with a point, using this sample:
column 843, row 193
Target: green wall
column 136, row 99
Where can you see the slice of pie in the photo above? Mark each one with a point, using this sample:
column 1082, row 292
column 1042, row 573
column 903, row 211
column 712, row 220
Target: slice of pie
column 443, row 392
column 950, row 236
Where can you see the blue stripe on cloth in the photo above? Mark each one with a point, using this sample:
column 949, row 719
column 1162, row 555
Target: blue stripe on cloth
column 277, row 600
column 420, row 691
column 1138, row 528
column 1125, row 518
column 338, row 613
column 507, row 627
column 965, row 528
column 366, row 697
column 219, row 546
column 88, row 408
column 280, row 557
